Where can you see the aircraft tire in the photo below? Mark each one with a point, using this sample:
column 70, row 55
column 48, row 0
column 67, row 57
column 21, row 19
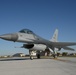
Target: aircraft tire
column 31, row 57
column 55, row 56
column 38, row 56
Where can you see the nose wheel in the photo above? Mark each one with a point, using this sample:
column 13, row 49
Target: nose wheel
column 32, row 54
column 31, row 57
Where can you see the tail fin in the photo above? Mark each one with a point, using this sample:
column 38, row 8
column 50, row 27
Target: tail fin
column 55, row 36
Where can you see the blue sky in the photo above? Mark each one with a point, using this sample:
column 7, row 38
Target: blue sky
column 41, row 16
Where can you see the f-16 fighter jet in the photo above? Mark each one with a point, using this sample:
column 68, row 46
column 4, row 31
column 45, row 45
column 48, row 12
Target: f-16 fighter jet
column 36, row 43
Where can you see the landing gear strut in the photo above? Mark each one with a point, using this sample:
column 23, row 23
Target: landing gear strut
column 55, row 54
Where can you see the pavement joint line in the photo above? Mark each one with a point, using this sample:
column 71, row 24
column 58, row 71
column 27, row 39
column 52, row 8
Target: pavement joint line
column 61, row 60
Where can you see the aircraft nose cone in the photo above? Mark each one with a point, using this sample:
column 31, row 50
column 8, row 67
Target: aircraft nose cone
column 9, row 37
column 5, row 36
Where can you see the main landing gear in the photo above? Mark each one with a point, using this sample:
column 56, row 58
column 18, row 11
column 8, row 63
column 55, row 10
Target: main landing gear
column 55, row 54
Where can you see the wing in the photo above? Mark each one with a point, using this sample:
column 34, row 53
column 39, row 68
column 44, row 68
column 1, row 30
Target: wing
column 62, row 45
column 68, row 48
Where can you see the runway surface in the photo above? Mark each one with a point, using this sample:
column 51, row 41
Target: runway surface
column 25, row 66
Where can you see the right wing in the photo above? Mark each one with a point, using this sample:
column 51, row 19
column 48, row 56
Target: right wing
column 68, row 48
column 62, row 45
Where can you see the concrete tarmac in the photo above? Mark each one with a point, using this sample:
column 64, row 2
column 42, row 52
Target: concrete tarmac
column 25, row 66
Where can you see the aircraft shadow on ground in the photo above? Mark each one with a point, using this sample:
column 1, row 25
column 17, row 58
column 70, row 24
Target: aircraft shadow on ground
column 13, row 59
column 17, row 59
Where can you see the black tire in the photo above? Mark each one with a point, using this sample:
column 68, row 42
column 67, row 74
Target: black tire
column 55, row 56
column 31, row 57
column 38, row 56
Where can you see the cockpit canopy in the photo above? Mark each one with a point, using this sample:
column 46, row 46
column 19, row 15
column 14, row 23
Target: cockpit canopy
column 27, row 31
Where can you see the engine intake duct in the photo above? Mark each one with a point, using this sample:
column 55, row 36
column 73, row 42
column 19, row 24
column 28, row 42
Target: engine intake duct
column 28, row 46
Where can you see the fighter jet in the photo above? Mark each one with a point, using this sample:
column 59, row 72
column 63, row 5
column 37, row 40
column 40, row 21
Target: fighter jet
column 36, row 43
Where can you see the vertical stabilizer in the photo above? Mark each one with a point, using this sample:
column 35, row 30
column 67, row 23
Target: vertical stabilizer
column 55, row 36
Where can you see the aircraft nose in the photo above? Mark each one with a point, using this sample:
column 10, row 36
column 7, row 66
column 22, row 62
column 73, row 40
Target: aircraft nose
column 10, row 37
